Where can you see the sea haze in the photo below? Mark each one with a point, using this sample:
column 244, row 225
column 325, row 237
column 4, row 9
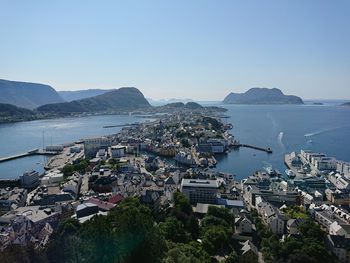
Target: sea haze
column 284, row 128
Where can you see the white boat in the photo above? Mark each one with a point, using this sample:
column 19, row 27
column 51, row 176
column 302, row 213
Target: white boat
column 290, row 173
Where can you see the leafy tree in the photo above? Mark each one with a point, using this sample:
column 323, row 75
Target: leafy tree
column 232, row 258
column 216, row 239
column 172, row 229
column 192, row 226
column 186, row 253
column 182, row 204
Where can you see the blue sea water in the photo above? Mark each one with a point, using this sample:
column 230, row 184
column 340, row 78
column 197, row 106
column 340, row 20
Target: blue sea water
column 24, row 136
column 284, row 128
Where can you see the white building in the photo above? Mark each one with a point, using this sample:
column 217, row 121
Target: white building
column 324, row 163
column 53, row 177
column 339, row 181
column 92, row 145
column 200, row 191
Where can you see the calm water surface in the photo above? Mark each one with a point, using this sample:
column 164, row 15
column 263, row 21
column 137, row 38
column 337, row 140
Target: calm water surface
column 24, row 136
column 284, row 128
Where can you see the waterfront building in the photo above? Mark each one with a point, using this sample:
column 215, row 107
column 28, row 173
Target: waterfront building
column 93, row 145
column 324, row 163
column 339, row 181
column 200, row 191
column 30, row 179
column 54, row 148
column 344, row 168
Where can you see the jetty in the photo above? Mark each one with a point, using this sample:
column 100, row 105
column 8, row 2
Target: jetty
column 238, row 145
column 25, row 154
column 120, row 125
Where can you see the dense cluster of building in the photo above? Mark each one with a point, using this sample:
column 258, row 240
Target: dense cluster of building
column 153, row 160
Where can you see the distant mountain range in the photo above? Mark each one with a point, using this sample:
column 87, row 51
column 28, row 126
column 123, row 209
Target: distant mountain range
column 123, row 99
column 27, row 95
column 81, row 94
column 262, row 96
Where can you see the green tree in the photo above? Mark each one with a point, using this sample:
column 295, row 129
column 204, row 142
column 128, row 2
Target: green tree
column 216, row 239
column 232, row 258
column 186, row 253
column 172, row 229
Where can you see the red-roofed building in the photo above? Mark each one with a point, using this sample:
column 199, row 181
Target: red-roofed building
column 102, row 205
column 116, row 199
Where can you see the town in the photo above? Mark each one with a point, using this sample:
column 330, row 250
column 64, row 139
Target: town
column 158, row 162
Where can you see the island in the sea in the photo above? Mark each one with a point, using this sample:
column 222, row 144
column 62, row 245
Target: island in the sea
column 347, row 104
column 262, row 96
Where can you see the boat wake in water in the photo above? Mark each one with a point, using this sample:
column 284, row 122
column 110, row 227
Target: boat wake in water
column 322, row 131
column 280, row 140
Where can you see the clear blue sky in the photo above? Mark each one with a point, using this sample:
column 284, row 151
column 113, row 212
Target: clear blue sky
column 183, row 49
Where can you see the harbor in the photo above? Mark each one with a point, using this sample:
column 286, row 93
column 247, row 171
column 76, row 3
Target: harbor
column 25, row 154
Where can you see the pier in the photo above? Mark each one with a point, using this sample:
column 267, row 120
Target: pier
column 120, row 125
column 268, row 150
column 25, row 154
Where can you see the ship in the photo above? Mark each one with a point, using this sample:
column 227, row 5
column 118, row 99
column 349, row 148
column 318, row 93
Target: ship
column 270, row 171
column 290, row 173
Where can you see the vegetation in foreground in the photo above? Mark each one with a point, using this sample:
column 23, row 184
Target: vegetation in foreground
column 132, row 233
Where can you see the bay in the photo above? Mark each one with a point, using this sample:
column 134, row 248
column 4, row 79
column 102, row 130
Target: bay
column 24, row 136
column 284, row 128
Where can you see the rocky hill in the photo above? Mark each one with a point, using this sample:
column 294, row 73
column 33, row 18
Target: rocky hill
column 262, row 96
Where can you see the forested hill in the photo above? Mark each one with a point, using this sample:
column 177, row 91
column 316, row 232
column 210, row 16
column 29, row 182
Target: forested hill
column 27, row 95
column 122, row 99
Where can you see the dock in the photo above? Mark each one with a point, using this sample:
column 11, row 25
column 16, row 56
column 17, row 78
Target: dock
column 268, row 150
column 120, row 125
column 25, row 154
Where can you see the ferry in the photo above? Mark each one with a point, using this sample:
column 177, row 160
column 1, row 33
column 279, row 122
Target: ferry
column 271, row 172
column 290, row 173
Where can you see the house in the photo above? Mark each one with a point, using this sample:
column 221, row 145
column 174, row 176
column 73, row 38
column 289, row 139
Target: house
column 337, row 229
column 293, row 226
column 73, row 185
column 250, row 252
column 116, row 199
column 151, row 198
column 243, row 225
column 102, row 205
column 271, row 217
column 340, row 247
column 10, row 199
column 86, row 209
